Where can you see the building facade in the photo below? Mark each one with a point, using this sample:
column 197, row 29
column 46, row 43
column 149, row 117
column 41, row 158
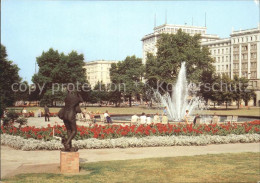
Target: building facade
column 220, row 51
column 245, row 57
column 150, row 40
column 237, row 55
column 98, row 71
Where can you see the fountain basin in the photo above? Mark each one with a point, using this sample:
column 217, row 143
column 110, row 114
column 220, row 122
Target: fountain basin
column 127, row 117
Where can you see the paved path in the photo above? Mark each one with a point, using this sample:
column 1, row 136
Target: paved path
column 13, row 160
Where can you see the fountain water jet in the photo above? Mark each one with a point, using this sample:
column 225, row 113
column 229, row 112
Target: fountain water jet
column 177, row 103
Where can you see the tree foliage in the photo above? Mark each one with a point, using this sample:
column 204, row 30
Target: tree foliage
column 241, row 90
column 8, row 76
column 126, row 76
column 56, row 69
column 172, row 50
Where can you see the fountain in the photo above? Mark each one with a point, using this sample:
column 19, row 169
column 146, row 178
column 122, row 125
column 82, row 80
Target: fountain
column 177, row 103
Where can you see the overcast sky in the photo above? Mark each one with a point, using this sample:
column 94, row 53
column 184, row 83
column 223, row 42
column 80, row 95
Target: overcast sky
column 107, row 30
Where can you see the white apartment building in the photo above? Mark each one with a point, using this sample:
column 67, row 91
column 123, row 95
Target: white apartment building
column 220, row 51
column 150, row 40
column 245, row 57
column 98, row 71
column 239, row 55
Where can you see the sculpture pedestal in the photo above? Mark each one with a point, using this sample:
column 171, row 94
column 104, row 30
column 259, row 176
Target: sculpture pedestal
column 69, row 162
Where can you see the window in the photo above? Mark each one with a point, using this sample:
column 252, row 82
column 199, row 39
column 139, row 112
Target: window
column 222, row 59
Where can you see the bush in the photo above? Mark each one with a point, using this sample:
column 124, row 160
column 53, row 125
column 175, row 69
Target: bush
column 6, row 121
column 12, row 115
column 22, row 121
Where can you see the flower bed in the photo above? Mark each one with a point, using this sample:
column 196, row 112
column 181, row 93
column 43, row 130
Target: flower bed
column 117, row 131
column 113, row 136
column 18, row 142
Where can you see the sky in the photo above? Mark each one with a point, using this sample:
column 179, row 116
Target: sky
column 109, row 30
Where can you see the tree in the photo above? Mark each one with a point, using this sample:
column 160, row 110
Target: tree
column 225, row 93
column 209, row 88
column 115, row 93
column 241, row 91
column 172, row 50
column 8, row 76
column 128, row 73
column 24, row 93
column 100, row 92
column 56, row 69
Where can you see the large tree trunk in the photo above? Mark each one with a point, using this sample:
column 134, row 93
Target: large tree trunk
column 226, row 105
column 238, row 104
column 246, row 102
column 130, row 101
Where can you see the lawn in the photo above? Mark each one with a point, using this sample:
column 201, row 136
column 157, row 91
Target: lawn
column 239, row 167
column 254, row 111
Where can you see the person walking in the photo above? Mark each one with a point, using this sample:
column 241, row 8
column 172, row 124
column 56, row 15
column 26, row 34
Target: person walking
column 196, row 120
column 46, row 113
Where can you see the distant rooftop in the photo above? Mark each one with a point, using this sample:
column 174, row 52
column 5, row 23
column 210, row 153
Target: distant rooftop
column 245, row 31
column 174, row 25
column 101, row 62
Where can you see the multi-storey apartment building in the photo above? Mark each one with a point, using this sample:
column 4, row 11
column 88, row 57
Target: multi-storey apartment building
column 150, row 40
column 98, row 71
column 245, row 57
column 220, row 51
column 237, row 55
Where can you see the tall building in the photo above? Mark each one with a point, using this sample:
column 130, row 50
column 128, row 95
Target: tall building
column 237, row 55
column 149, row 40
column 245, row 57
column 220, row 51
column 98, row 71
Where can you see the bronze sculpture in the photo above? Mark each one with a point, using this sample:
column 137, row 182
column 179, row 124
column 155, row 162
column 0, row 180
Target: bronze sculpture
column 68, row 115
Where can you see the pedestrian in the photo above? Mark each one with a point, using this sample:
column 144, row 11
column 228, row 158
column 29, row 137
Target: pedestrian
column 46, row 113
column 186, row 117
column 196, row 119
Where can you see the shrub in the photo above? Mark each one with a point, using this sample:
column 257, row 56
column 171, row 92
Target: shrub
column 6, row 121
column 22, row 121
column 12, row 115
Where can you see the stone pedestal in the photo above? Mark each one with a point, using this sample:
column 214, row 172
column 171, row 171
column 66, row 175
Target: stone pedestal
column 69, row 162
